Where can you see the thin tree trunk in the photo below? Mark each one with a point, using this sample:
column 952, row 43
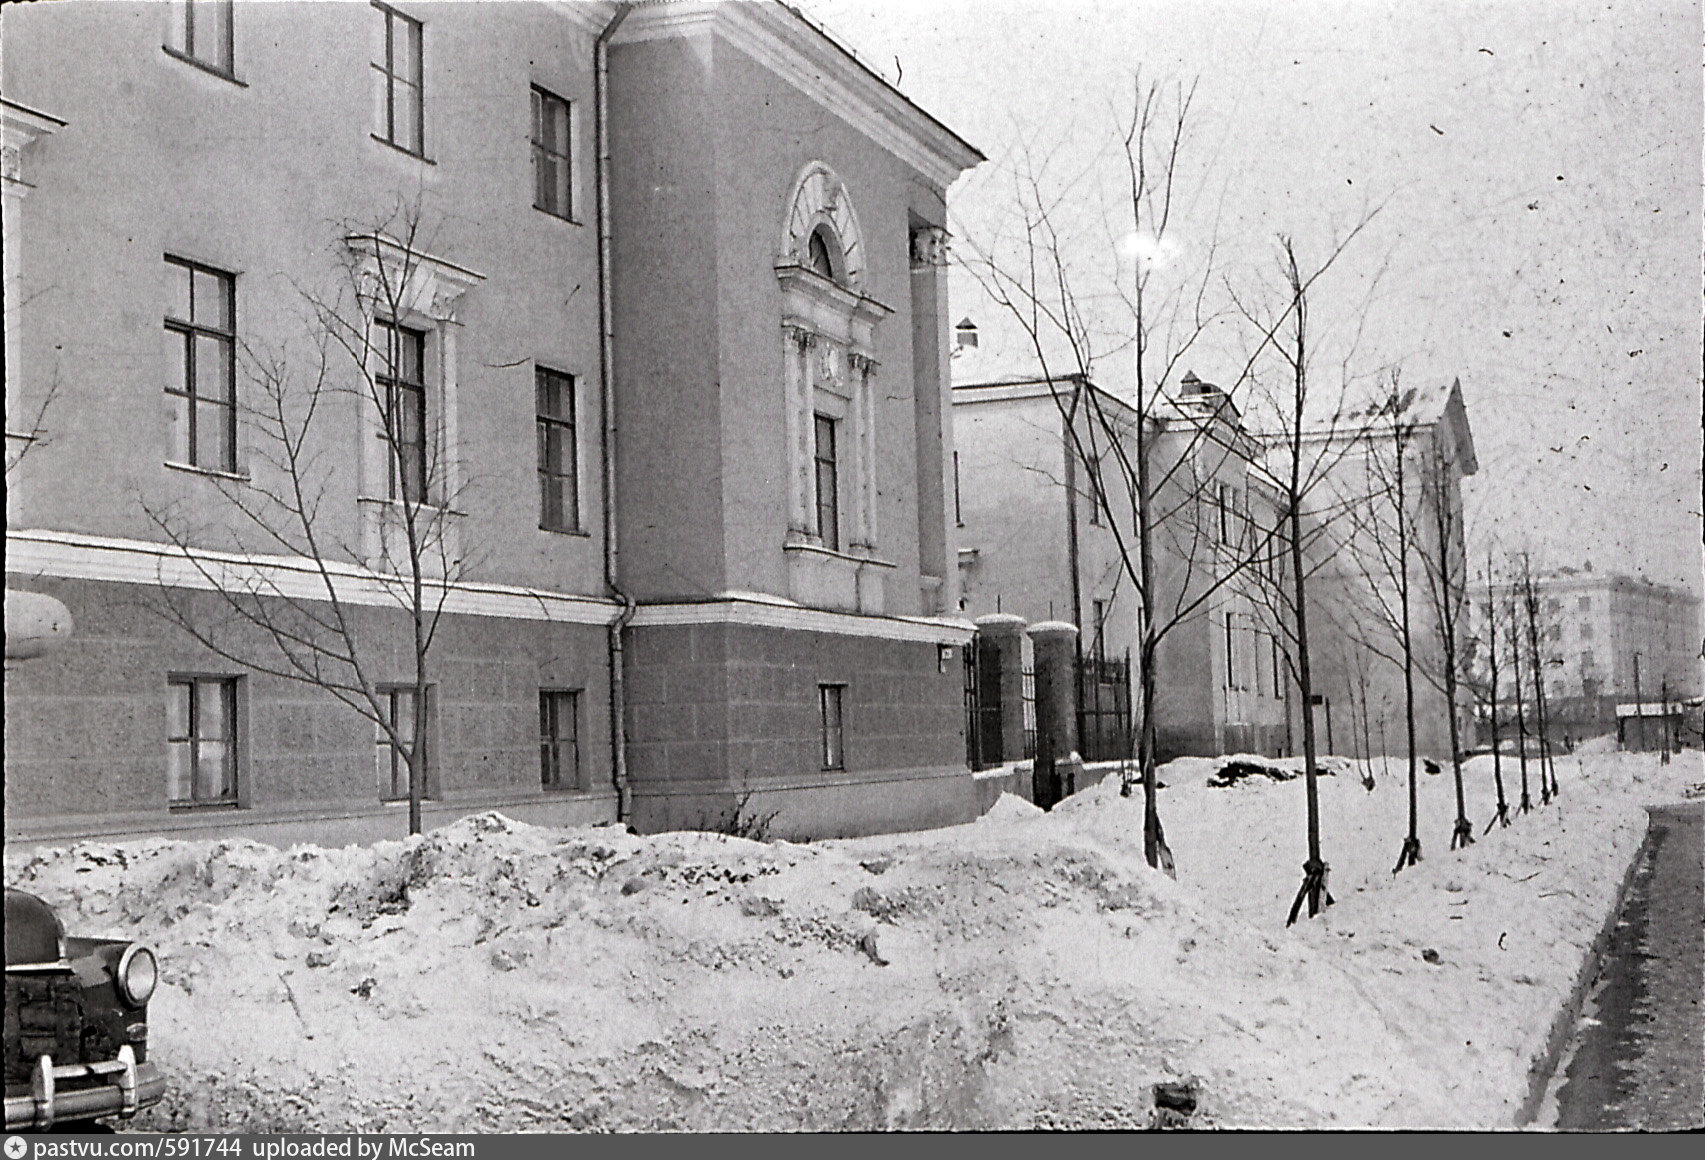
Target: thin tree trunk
column 1521, row 711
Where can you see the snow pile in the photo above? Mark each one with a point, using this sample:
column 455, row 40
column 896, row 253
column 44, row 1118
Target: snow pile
column 1025, row 970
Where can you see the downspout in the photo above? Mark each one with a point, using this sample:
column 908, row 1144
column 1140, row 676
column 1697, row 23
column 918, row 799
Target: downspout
column 1079, row 385
column 607, row 407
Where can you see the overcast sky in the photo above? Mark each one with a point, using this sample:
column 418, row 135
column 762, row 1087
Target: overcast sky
column 1538, row 166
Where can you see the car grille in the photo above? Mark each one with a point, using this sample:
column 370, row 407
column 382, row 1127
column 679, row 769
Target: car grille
column 44, row 1016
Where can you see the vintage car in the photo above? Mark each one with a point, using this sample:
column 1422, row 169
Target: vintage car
column 76, row 1022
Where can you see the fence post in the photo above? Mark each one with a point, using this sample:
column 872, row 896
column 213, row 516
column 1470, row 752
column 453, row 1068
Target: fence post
column 1054, row 643
column 1003, row 635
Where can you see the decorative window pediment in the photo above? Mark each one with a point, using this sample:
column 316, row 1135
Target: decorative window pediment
column 820, row 200
column 829, row 327
column 391, row 273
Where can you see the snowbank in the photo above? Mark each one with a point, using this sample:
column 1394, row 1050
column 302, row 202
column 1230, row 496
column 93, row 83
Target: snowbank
column 1024, row 970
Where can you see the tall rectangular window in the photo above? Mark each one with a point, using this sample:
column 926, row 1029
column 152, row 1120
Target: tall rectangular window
column 391, row 758
column 1099, row 611
column 201, row 31
column 553, row 160
column 397, row 84
column 559, row 739
column 1230, row 656
column 559, row 484
column 1225, row 513
column 201, row 379
column 1092, row 488
column 829, row 699
column 958, row 509
column 401, row 378
column 828, row 485
column 201, row 740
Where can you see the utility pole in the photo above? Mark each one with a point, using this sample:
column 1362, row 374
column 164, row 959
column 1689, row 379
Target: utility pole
column 1663, row 720
column 1639, row 706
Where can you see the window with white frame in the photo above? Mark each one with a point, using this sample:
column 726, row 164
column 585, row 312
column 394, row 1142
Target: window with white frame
column 559, row 739
column 553, row 154
column 828, row 325
column 828, row 482
column 201, row 741
column 831, row 704
column 401, row 381
column 559, row 483
column 398, row 86
column 409, row 421
column 201, row 360
column 391, row 756
column 201, row 33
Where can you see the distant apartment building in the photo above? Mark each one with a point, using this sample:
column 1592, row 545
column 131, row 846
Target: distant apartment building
column 681, row 401
column 1604, row 638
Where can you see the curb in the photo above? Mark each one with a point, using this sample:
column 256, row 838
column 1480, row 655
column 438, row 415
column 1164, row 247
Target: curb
column 1544, row 1065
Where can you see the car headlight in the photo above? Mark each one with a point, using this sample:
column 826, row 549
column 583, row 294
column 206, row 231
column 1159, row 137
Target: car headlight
column 138, row 974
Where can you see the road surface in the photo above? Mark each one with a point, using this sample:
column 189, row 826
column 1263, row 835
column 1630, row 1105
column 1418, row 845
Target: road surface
column 1639, row 1057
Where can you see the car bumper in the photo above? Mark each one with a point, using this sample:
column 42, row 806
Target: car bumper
column 126, row 1087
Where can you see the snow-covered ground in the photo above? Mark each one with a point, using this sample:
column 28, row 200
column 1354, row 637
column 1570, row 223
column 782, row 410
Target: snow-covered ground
column 1024, row 970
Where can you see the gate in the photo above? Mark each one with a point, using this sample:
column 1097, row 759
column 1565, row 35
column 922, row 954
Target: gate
column 1027, row 687
column 1104, row 708
column 982, row 706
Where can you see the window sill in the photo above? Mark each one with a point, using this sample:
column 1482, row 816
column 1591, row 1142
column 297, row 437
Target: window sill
column 204, row 66
column 424, row 505
column 555, row 789
column 564, row 219
column 215, row 473
column 406, row 152
column 580, row 533
column 201, row 807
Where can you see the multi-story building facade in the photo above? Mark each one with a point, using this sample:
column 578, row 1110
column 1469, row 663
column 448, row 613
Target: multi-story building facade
column 1224, row 678
column 1047, row 532
column 669, row 337
column 1356, row 588
column 1604, row 638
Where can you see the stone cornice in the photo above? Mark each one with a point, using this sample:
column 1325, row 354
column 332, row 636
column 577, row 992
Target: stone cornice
column 791, row 47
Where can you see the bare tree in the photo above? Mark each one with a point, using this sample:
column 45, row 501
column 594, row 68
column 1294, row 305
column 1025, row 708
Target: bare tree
column 361, row 364
column 1526, row 803
column 1444, row 567
column 1529, row 591
column 1488, row 691
column 1382, row 552
column 1302, row 455
column 1055, row 300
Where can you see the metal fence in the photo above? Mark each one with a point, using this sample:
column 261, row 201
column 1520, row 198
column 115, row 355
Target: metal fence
column 982, row 706
column 1104, row 708
column 1027, row 678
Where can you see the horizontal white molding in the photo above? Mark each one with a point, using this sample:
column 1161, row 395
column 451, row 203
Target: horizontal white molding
column 776, row 37
column 72, row 556
column 828, row 779
column 759, row 610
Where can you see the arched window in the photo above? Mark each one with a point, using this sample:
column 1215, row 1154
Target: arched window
column 828, row 331
column 818, row 257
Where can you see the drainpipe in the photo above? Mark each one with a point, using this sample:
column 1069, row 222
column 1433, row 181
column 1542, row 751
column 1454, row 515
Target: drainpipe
column 607, row 407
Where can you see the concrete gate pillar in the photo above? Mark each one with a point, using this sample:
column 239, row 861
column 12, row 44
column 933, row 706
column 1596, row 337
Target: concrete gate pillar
column 1057, row 762
column 1000, row 639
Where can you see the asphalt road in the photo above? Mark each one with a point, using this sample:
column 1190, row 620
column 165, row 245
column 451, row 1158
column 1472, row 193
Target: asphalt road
column 1639, row 1058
